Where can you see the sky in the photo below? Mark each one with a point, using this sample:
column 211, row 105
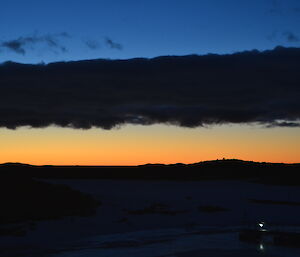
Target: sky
column 42, row 32
column 147, row 28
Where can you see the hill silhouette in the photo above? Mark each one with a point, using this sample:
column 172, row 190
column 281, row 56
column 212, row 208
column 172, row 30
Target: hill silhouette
column 216, row 169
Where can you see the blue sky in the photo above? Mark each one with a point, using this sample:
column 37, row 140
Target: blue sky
column 138, row 28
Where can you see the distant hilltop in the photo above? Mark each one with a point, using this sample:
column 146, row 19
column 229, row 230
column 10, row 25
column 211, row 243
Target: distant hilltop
column 218, row 162
column 15, row 164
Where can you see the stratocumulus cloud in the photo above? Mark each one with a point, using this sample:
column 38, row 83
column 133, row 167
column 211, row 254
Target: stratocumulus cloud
column 189, row 91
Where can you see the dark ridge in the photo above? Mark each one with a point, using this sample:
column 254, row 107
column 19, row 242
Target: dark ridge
column 25, row 200
column 29, row 199
column 263, row 172
column 16, row 165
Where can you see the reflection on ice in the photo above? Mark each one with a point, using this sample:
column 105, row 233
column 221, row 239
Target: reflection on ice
column 176, row 242
column 261, row 247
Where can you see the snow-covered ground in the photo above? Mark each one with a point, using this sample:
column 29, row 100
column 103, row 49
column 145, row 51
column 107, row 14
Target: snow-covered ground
column 162, row 218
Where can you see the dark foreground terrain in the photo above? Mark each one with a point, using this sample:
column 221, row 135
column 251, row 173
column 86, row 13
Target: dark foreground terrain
column 150, row 210
column 27, row 200
column 155, row 218
column 24, row 194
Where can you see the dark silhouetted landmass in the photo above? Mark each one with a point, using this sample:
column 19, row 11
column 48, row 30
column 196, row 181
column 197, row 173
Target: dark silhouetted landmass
column 24, row 199
column 272, row 173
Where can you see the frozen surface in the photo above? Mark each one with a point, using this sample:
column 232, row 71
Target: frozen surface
column 124, row 226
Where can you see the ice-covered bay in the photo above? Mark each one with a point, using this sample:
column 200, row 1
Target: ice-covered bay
column 162, row 218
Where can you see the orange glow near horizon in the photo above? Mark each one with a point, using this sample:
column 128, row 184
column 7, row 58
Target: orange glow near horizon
column 136, row 144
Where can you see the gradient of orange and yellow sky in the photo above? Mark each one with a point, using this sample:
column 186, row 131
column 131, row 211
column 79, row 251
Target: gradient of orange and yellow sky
column 136, row 144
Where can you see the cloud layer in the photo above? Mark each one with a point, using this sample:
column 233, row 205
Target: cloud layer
column 189, row 91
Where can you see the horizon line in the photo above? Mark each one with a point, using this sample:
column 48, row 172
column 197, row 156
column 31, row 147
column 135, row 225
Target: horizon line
column 250, row 50
column 138, row 165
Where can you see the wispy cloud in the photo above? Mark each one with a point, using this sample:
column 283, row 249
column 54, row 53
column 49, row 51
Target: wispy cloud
column 287, row 36
column 279, row 7
column 114, row 45
column 290, row 36
column 92, row 44
column 21, row 44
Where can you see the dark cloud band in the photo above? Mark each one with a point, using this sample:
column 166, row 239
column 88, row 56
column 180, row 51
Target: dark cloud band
column 190, row 91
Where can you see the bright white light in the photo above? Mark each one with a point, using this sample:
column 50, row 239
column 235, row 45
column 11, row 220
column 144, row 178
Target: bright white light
column 261, row 224
column 261, row 247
